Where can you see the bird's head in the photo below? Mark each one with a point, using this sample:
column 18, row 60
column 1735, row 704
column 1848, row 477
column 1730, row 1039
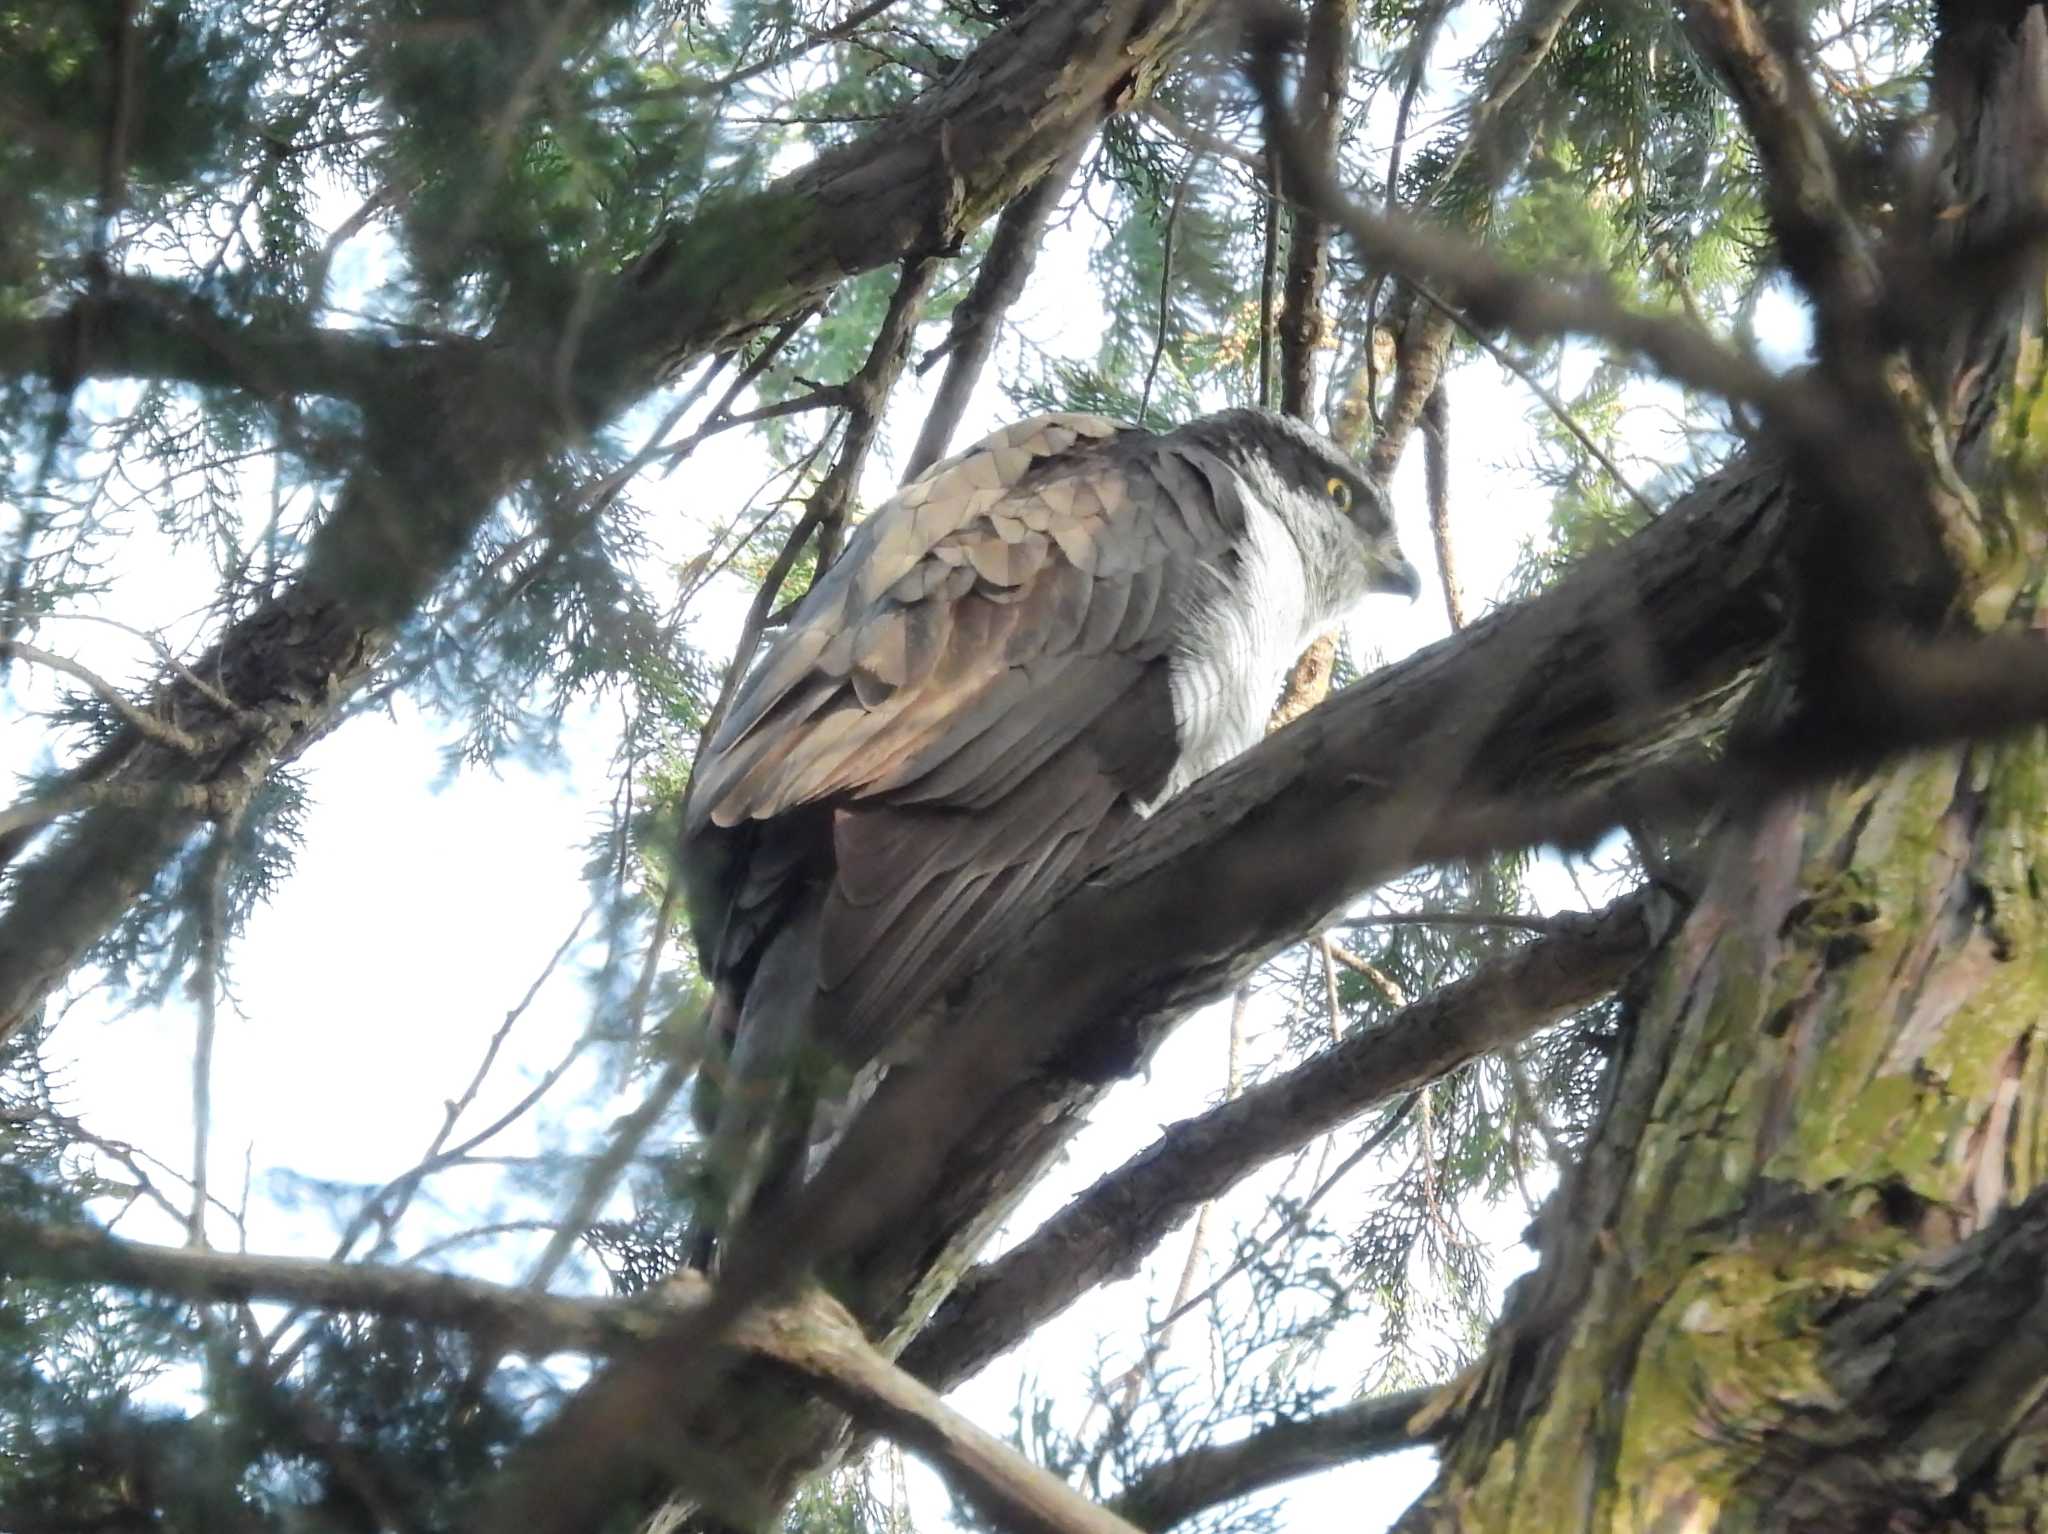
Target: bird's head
column 1311, row 484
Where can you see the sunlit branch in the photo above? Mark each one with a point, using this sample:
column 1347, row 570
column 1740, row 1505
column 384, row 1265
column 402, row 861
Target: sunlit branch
column 810, row 1335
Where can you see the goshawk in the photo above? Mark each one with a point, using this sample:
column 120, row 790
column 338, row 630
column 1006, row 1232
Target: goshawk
column 1032, row 644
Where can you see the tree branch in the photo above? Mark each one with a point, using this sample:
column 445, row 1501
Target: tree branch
column 1551, row 402
column 537, row 1323
column 1818, row 237
column 1497, row 295
column 1105, row 1232
column 1424, row 341
column 1202, row 1478
column 1436, row 464
column 1308, row 246
column 977, row 319
column 144, row 329
column 811, row 1337
column 145, row 724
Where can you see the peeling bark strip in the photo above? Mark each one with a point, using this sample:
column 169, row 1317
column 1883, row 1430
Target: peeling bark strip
column 452, row 428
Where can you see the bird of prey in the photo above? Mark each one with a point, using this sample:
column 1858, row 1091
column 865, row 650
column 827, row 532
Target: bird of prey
column 1032, row 645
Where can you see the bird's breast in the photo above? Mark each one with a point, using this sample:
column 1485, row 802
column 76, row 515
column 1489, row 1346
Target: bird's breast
column 1241, row 628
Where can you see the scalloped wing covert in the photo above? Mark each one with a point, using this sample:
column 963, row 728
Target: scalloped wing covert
column 964, row 702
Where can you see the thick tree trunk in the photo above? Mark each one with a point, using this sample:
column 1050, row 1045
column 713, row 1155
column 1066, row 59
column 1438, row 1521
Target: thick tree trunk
column 1797, row 1281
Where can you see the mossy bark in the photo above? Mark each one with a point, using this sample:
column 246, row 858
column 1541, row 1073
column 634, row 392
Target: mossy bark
column 1832, row 1105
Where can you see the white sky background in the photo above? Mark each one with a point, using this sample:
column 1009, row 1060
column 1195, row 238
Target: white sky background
column 418, row 915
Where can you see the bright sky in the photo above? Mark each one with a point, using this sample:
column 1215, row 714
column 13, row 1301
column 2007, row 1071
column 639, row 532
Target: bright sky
column 420, row 913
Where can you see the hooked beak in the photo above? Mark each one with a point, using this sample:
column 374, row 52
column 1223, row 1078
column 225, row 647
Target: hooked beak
column 1397, row 577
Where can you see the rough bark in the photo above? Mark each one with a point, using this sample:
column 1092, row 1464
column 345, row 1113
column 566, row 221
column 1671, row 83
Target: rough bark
column 1330, row 25
column 1795, row 1282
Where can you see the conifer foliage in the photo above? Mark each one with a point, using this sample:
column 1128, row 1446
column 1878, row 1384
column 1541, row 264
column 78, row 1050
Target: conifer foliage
column 507, row 369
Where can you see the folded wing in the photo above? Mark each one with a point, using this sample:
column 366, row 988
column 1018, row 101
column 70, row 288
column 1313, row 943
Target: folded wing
column 962, row 707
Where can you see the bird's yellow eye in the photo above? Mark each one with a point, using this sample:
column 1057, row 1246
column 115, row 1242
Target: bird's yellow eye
column 1340, row 492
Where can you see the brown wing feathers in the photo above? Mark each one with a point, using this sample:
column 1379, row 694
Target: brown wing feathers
column 967, row 699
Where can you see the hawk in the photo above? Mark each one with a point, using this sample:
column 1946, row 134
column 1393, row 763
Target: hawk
column 1031, row 646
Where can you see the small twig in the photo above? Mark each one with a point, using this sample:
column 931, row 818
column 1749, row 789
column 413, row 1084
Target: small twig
column 1537, row 924
column 1557, row 407
column 1208, row 143
column 865, row 394
column 1383, row 982
column 1295, row 1218
column 1269, row 263
column 718, row 419
column 1012, row 253
column 606, row 1169
column 1527, row 1105
column 1420, row 44
column 1326, row 951
column 164, row 653
column 1161, row 1333
column 1180, row 193
column 160, row 731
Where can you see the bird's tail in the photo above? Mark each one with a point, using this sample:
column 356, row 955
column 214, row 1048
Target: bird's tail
column 756, row 1094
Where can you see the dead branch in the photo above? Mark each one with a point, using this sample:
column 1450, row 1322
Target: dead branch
column 978, row 318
